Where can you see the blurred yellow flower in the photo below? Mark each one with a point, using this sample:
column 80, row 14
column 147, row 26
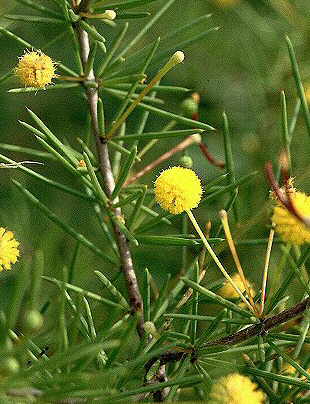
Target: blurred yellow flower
column 8, row 249
column 226, row 3
column 290, row 228
column 307, row 93
column 288, row 369
column 236, row 389
column 35, row 69
column 228, row 292
column 178, row 189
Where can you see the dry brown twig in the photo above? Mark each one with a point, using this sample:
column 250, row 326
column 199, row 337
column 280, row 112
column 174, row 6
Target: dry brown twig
column 196, row 138
column 251, row 331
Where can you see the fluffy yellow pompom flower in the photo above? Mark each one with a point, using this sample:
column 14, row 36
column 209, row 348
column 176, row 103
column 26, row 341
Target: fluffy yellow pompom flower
column 8, row 249
column 229, row 292
column 35, row 69
column 290, row 228
column 236, row 389
column 178, row 189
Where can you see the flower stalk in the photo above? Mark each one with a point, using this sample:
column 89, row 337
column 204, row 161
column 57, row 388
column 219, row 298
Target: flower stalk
column 265, row 274
column 231, row 244
column 216, row 260
column 175, row 59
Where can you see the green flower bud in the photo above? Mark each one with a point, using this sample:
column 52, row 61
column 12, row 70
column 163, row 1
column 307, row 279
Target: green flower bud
column 9, row 366
column 186, row 162
column 33, row 321
column 189, row 107
column 149, row 328
column 102, row 358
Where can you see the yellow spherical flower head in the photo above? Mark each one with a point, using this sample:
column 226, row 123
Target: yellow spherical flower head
column 178, row 189
column 236, row 389
column 290, row 228
column 8, row 249
column 35, row 69
column 228, row 292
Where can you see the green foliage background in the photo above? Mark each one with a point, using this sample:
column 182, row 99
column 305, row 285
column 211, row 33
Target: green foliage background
column 241, row 68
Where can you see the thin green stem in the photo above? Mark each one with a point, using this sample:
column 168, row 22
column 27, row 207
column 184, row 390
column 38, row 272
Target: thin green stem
column 265, row 274
column 176, row 58
column 216, row 260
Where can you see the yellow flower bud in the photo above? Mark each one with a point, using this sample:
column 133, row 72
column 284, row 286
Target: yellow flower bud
column 110, row 14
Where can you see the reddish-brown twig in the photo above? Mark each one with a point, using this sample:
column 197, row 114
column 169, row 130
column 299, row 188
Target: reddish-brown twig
column 166, row 156
column 215, row 162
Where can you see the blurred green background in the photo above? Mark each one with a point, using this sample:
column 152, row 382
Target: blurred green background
column 241, row 68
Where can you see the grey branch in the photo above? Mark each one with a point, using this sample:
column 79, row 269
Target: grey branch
column 136, row 302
